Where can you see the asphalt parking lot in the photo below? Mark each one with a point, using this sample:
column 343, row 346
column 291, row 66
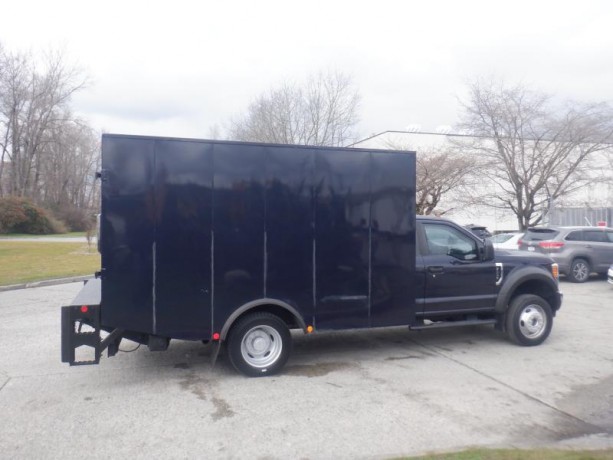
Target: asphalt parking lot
column 366, row 394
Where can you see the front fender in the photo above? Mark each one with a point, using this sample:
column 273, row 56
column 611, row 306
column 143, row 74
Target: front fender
column 536, row 277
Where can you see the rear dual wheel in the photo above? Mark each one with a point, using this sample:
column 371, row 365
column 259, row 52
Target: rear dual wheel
column 259, row 344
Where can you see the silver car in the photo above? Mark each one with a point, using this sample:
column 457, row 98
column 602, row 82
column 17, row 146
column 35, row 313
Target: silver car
column 578, row 251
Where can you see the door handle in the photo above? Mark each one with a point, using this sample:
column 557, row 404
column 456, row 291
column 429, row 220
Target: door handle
column 436, row 269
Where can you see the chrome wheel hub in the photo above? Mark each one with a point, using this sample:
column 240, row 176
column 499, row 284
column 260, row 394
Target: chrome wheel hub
column 261, row 346
column 532, row 321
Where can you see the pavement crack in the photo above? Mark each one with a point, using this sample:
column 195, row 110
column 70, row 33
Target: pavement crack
column 510, row 387
column 8, row 379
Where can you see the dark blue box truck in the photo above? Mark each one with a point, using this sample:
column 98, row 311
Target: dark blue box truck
column 237, row 243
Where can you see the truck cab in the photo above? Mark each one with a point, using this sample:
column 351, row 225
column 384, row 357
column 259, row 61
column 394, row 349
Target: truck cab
column 461, row 279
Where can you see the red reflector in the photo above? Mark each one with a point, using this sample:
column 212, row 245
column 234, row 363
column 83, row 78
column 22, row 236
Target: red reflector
column 519, row 242
column 216, row 336
column 551, row 244
column 84, row 309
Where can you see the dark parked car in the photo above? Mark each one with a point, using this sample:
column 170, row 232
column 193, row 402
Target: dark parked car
column 578, row 251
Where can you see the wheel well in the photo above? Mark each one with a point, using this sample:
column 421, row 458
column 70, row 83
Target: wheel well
column 284, row 314
column 582, row 257
column 538, row 288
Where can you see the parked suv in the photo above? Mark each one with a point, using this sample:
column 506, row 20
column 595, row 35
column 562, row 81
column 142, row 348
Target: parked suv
column 578, row 251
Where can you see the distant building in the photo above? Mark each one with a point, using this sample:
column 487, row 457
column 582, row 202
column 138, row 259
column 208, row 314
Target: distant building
column 570, row 216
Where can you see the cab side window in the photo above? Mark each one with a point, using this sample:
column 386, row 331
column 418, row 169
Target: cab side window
column 445, row 240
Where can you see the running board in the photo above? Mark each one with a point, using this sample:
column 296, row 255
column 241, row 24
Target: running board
column 441, row 324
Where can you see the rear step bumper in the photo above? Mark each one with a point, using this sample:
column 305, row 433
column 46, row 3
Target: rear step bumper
column 73, row 319
column 81, row 327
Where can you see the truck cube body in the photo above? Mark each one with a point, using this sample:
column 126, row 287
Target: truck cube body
column 192, row 230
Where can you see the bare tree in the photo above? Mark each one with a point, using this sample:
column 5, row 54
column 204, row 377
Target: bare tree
column 32, row 102
column 72, row 156
column 444, row 174
column 321, row 112
column 214, row 132
column 536, row 153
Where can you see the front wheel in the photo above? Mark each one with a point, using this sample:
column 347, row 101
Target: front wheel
column 579, row 271
column 529, row 320
column 259, row 344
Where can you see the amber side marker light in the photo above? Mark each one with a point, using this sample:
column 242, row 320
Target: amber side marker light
column 309, row 329
column 555, row 271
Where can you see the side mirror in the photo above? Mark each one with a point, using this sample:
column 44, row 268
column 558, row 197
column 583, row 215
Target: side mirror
column 488, row 250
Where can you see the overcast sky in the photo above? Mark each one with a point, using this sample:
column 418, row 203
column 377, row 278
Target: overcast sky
column 177, row 68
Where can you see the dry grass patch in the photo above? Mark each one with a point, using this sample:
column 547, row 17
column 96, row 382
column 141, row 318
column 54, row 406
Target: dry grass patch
column 27, row 261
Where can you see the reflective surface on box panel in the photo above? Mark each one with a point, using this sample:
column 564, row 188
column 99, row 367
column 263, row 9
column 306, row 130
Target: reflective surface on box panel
column 342, row 217
column 127, row 233
column 289, row 227
column 183, row 197
column 192, row 230
column 393, row 239
column 238, row 221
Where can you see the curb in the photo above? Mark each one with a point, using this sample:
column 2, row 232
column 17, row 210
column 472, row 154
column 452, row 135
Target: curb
column 34, row 284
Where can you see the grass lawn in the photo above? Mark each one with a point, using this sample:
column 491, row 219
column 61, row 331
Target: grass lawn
column 25, row 261
column 55, row 235
column 517, row 454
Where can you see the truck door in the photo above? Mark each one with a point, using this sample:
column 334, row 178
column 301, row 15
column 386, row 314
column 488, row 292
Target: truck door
column 456, row 278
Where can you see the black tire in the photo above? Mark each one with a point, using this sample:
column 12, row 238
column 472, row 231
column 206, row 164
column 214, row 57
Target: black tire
column 579, row 271
column 529, row 320
column 259, row 344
